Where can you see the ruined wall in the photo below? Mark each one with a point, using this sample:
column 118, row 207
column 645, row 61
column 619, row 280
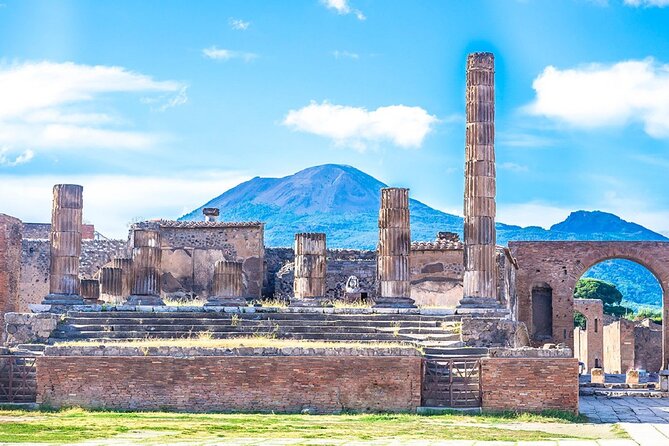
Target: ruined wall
column 10, row 262
column 559, row 265
column 436, row 273
column 590, row 349
column 529, row 384
column 648, row 346
column 341, row 264
column 191, row 249
column 42, row 230
column 34, row 279
column 324, row 384
column 619, row 347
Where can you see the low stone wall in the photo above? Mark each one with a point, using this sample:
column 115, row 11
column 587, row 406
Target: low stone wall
column 493, row 332
column 26, row 328
column 530, row 384
column 306, row 379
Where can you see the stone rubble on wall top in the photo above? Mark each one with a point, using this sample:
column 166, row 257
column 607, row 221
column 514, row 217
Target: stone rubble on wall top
column 529, row 352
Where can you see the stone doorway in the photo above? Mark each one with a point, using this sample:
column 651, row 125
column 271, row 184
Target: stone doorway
column 542, row 312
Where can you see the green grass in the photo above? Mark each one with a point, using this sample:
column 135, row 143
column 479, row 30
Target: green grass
column 72, row 425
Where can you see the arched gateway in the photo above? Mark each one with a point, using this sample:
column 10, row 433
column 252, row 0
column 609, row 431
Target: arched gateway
column 553, row 268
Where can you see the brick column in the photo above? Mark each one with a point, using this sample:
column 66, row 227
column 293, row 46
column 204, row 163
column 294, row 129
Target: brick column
column 146, row 254
column 310, row 268
column 10, row 263
column 392, row 264
column 228, row 285
column 480, row 279
column 65, row 238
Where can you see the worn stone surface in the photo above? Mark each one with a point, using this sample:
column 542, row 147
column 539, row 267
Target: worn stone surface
column 309, row 269
column 191, row 249
column 589, row 343
column 480, row 278
column 529, row 352
column 530, row 384
column 25, row 328
column 647, row 346
column 10, row 262
column 392, row 263
column 493, row 332
column 228, row 284
column 324, row 384
column 619, row 347
column 37, row 231
column 146, row 268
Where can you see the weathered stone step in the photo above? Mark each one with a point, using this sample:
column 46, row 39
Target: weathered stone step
column 448, row 353
column 180, row 335
column 216, row 329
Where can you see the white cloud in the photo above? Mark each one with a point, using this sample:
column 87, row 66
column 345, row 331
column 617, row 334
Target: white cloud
column 22, row 158
column 47, row 105
column 222, row 54
column 343, row 7
column 513, row 167
column 357, row 127
column 595, row 95
column 647, row 3
column 345, row 55
column 113, row 201
column 238, row 24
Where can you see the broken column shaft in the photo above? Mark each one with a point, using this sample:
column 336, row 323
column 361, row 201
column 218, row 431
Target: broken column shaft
column 111, row 285
column 125, row 265
column 480, row 278
column 146, row 256
column 228, row 285
column 65, row 238
column 392, row 264
column 310, row 268
column 90, row 291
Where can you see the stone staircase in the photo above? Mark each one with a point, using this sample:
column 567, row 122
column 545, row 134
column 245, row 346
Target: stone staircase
column 433, row 331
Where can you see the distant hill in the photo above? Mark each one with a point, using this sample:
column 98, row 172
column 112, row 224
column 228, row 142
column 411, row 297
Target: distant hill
column 343, row 202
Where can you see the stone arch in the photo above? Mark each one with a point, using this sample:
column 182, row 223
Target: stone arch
column 561, row 265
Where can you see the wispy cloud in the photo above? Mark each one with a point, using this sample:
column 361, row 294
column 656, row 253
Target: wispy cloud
column 343, row 7
column 345, row 55
column 647, row 3
column 238, row 24
column 113, row 201
column 513, row 167
column 358, row 127
column 515, row 139
column 222, row 54
column 48, row 105
column 598, row 95
column 8, row 161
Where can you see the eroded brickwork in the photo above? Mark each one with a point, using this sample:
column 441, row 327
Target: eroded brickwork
column 648, row 346
column 590, row 349
column 619, row 346
column 529, row 384
column 325, row 384
column 559, row 265
column 10, row 262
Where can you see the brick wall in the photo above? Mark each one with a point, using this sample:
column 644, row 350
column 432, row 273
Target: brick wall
column 529, row 384
column 232, row 383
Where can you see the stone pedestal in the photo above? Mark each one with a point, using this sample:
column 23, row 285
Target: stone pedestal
column 90, row 291
column 111, row 285
column 228, row 286
column 480, row 278
column 392, row 265
column 146, row 256
column 632, row 377
column 597, row 376
column 310, row 268
column 65, row 238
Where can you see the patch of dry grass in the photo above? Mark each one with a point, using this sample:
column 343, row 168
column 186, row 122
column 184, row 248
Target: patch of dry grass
column 204, row 340
column 197, row 302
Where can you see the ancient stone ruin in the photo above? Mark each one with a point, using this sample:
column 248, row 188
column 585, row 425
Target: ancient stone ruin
column 398, row 322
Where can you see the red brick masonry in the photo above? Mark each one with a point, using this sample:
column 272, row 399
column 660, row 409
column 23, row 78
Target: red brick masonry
column 530, row 384
column 325, row 384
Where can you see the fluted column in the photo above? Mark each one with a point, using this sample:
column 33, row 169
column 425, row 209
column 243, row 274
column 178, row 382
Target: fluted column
column 65, row 239
column 146, row 255
column 111, row 285
column 125, row 265
column 480, row 279
column 392, row 263
column 310, row 268
column 228, row 285
column 90, row 291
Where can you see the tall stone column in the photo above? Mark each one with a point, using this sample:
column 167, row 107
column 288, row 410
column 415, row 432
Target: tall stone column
column 146, row 255
column 310, row 268
column 65, row 238
column 111, row 285
column 480, row 279
column 228, row 286
column 392, row 264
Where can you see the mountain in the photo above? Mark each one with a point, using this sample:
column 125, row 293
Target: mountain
column 343, row 202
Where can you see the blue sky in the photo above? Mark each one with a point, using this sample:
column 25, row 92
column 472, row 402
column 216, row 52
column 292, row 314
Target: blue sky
column 155, row 107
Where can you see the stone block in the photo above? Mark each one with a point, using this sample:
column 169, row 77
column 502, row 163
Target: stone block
column 597, row 376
